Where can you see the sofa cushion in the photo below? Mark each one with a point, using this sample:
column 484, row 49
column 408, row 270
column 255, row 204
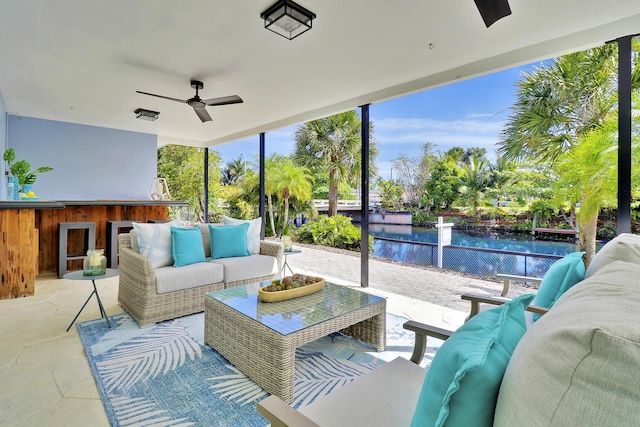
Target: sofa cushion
column 186, row 246
column 462, row 383
column 253, row 232
column 625, row 247
column 243, row 268
column 154, row 241
column 578, row 364
column 562, row 275
column 169, row 279
column 228, row 241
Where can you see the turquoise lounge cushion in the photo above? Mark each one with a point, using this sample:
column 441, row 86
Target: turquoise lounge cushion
column 461, row 386
column 562, row 275
column 229, row 240
column 186, row 246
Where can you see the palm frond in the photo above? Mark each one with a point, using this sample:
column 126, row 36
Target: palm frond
column 237, row 386
column 140, row 412
column 161, row 350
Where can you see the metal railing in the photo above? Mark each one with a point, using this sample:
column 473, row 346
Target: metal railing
column 465, row 259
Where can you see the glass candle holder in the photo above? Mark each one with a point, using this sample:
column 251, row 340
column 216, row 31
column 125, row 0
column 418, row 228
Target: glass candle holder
column 287, row 243
column 95, row 263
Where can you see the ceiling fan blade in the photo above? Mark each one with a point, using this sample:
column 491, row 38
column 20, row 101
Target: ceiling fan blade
column 203, row 114
column 184, row 101
column 493, row 10
column 223, row 100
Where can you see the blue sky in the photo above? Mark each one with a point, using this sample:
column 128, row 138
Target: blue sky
column 468, row 113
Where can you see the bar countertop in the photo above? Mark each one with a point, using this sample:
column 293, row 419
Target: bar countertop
column 24, row 204
column 61, row 204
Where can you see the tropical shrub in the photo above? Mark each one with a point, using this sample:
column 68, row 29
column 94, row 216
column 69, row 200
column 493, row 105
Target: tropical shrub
column 335, row 231
column 422, row 219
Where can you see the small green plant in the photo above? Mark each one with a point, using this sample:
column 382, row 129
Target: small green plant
column 22, row 169
column 422, row 219
column 522, row 227
column 335, row 231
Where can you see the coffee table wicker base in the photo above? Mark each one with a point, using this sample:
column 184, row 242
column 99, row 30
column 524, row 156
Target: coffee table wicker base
column 268, row 357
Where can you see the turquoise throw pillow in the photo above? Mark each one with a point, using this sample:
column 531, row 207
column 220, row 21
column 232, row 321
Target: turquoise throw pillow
column 461, row 386
column 562, row 275
column 228, row 240
column 186, row 246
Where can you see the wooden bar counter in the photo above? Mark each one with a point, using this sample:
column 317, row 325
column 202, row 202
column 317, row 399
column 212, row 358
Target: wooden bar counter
column 29, row 234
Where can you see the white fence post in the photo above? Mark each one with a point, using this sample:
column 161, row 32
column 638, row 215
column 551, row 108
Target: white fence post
column 444, row 237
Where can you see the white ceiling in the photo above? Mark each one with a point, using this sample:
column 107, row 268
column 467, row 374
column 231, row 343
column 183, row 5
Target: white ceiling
column 82, row 61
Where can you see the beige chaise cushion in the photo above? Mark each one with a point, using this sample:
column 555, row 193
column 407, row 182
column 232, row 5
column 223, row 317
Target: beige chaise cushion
column 363, row 402
column 578, row 365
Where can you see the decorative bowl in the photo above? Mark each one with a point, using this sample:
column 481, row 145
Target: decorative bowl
column 291, row 293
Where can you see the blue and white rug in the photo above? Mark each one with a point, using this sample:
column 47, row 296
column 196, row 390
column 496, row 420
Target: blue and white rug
column 166, row 375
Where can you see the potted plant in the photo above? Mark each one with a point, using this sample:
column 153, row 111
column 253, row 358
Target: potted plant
column 22, row 169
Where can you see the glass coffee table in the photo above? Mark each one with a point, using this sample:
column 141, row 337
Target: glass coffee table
column 261, row 338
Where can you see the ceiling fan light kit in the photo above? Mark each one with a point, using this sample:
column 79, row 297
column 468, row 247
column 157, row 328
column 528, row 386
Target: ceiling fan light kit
column 143, row 114
column 287, row 19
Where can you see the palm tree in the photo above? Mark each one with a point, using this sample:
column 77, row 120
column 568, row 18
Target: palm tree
column 270, row 166
column 290, row 180
column 558, row 102
column 333, row 144
column 234, row 171
column 588, row 173
column 474, row 181
column 558, row 106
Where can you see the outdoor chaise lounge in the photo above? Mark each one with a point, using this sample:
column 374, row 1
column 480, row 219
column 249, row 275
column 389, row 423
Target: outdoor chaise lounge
column 578, row 365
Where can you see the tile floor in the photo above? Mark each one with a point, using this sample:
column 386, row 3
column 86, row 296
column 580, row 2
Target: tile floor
column 44, row 375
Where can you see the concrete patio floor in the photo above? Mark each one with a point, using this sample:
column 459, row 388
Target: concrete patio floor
column 44, row 375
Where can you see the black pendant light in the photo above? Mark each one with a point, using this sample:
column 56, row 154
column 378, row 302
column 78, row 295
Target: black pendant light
column 287, row 19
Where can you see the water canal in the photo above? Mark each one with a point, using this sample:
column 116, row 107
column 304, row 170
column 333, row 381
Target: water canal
column 483, row 255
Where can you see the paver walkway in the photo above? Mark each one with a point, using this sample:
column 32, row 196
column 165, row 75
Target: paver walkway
column 436, row 289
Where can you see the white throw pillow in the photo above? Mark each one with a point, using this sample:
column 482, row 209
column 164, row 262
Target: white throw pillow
column 253, row 232
column 154, row 241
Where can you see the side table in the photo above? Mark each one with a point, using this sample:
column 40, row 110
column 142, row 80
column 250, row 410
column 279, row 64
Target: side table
column 79, row 275
column 286, row 265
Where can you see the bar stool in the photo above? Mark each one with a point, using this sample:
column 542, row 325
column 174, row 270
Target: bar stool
column 113, row 229
column 63, row 237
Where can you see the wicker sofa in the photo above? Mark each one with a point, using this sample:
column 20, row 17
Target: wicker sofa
column 578, row 365
column 138, row 292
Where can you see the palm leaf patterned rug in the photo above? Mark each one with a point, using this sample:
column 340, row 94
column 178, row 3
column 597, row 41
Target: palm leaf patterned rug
column 165, row 374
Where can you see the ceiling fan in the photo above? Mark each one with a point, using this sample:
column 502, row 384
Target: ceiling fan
column 493, row 10
column 199, row 104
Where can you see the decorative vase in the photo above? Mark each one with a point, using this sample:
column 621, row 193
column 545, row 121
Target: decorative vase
column 95, row 263
column 27, row 188
column 14, row 196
